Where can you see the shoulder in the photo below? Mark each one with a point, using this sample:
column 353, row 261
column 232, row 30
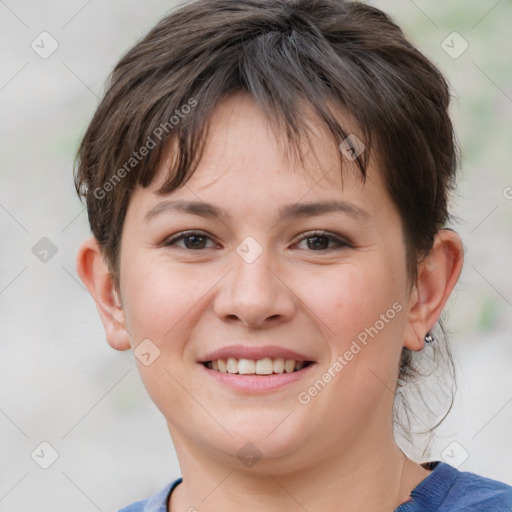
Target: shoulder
column 155, row 503
column 472, row 492
column 448, row 489
column 138, row 506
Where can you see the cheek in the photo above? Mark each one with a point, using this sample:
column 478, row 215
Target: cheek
column 361, row 312
column 349, row 300
column 161, row 305
column 159, row 298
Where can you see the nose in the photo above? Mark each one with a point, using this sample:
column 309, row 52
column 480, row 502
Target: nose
column 253, row 294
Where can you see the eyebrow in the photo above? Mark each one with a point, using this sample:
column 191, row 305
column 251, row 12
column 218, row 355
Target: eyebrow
column 294, row 210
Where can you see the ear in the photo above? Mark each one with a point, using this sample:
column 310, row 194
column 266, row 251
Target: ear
column 437, row 275
column 94, row 273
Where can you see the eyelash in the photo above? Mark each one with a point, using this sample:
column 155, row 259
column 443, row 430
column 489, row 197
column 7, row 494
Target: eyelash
column 322, row 234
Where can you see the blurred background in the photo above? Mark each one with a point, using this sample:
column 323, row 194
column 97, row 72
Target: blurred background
column 77, row 429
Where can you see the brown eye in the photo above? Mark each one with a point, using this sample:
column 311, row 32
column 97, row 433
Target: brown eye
column 316, row 241
column 319, row 242
column 193, row 240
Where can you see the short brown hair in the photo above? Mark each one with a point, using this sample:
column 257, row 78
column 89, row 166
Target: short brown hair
column 284, row 53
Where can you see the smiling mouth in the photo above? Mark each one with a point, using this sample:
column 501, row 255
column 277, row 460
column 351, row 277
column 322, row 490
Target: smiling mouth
column 266, row 366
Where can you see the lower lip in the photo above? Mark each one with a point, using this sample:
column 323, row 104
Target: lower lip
column 257, row 383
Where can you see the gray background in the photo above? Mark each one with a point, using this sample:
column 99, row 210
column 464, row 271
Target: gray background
column 61, row 383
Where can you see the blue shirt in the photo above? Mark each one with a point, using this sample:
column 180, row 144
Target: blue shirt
column 445, row 489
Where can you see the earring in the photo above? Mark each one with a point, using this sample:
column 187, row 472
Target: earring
column 429, row 338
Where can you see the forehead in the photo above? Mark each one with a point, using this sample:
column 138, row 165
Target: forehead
column 246, row 158
column 239, row 128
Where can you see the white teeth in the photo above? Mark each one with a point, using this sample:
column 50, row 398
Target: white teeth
column 246, row 366
column 265, row 366
column 278, row 365
column 289, row 365
column 232, row 365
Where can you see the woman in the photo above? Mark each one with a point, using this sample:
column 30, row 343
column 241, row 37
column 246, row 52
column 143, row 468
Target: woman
column 267, row 184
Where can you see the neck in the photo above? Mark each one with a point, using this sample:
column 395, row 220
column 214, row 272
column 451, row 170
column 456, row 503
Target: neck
column 370, row 476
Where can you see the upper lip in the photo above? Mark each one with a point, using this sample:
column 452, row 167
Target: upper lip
column 252, row 352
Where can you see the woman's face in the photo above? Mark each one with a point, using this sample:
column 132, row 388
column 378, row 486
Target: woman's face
column 328, row 285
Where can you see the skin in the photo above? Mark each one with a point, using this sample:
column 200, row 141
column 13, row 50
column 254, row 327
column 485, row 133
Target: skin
column 337, row 449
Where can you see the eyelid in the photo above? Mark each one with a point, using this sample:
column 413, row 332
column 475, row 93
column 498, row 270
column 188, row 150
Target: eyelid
column 340, row 240
column 184, row 234
column 321, row 232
